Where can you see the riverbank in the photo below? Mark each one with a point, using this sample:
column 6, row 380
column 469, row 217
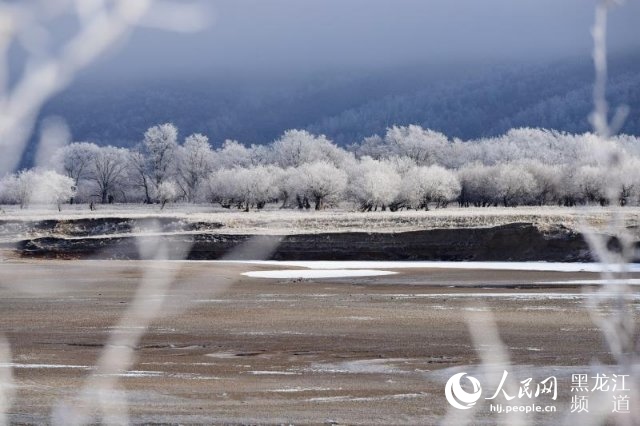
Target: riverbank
column 236, row 350
column 452, row 234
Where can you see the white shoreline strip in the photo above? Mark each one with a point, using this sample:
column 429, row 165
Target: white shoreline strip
column 630, row 281
column 17, row 365
column 498, row 266
column 317, row 273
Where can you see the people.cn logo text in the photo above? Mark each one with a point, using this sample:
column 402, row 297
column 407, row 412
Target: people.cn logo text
column 458, row 397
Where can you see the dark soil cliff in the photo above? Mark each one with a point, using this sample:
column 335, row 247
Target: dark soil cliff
column 513, row 242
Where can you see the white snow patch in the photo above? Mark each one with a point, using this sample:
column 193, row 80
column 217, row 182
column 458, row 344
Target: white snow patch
column 317, row 273
column 498, row 266
column 291, row 390
column 136, row 373
column 514, row 296
column 365, row 398
column 362, row 366
column 17, row 365
column 630, row 281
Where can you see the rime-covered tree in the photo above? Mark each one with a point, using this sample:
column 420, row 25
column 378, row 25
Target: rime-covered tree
column 244, row 187
column 36, row 187
column 232, row 154
column 424, row 146
column 17, row 188
column 50, row 187
column 514, row 185
column 374, row 183
column 108, row 171
column 157, row 158
column 195, row 163
column 591, row 183
column 138, row 176
column 298, row 147
column 627, row 181
column 75, row 159
column 322, row 182
column 167, row 191
column 547, row 181
column 478, row 185
column 431, row 184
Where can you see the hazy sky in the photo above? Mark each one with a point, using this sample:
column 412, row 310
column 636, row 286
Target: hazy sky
column 289, row 36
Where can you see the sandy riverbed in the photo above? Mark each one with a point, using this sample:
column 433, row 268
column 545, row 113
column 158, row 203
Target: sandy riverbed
column 235, row 349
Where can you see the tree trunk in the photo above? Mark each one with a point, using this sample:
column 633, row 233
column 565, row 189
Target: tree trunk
column 284, row 201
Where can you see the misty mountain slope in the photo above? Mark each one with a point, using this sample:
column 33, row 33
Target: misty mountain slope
column 492, row 104
column 349, row 106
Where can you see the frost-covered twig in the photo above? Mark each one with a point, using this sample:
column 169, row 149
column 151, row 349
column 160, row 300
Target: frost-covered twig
column 49, row 68
column 102, row 394
column 610, row 305
column 102, row 24
column 101, row 390
column 494, row 358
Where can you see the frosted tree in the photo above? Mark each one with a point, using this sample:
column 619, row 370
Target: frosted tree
column 626, row 179
column 108, row 172
column 255, row 186
column 195, row 162
column 138, row 175
column 260, row 155
column 50, row 187
column 425, row 147
column 283, row 183
column 167, row 191
column 36, row 187
column 221, row 187
column 7, row 189
column 75, row 159
column 432, row 184
column 297, row 147
column 232, row 154
column 374, row 147
column 568, row 192
column 402, row 164
column 478, row 185
column 374, row 183
column 548, row 180
column 591, row 183
column 515, row 185
column 244, row 187
column 159, row 148
column 322, row 182
column 17, row 188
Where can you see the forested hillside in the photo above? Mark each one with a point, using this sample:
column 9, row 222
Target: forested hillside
column 469, row 103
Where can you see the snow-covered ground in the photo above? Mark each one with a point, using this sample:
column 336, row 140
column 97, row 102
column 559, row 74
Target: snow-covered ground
column 317, row 273
column 276, row 221
column 345, row 269
column 492, row 266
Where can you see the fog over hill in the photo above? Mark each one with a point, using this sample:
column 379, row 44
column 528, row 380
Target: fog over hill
column 349, row 69
column 483, row 101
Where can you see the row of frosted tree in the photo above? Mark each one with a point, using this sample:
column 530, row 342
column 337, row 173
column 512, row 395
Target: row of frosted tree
column 407, row 168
